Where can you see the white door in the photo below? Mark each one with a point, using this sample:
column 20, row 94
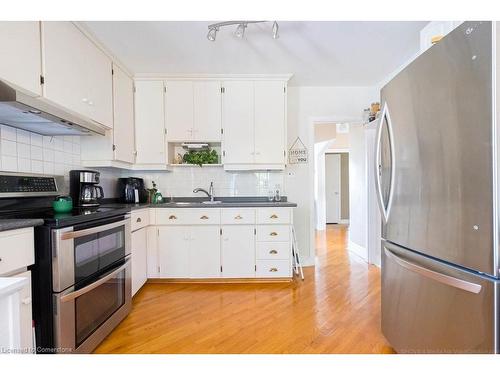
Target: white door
column 207, row 111
column 149, row 123
column 179, row 110
column 123, row 129
column 332, row 188
column 139, row 259
column 204, row 252
column 77, row 73
column 20, row 63
column 173, row 248
column 238, row 122
column 269, row 122
column 238, row 251
column 64, row 66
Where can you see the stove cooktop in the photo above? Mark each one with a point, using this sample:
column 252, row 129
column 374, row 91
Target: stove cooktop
column 53, row 219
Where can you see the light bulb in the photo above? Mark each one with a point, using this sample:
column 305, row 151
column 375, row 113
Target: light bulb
column 240, row 30
column 275, row 30
column 212, row 33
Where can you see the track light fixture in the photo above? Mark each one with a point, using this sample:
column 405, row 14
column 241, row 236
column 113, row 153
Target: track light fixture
column 240, row 29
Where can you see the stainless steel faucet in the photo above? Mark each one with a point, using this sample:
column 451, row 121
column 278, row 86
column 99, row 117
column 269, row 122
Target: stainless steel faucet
column 209, row 193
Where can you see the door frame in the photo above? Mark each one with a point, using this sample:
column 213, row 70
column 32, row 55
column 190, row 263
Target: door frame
column 338, row 151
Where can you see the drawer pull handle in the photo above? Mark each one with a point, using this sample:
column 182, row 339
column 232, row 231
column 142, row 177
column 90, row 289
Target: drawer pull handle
column 172, row 217
column 273, row 234
column 204, row 217
column 273, row 252
column 239, row 217
column 273, row 270
column 274, row 216
column 138, row 220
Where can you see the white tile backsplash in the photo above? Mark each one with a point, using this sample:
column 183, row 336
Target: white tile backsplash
column 182, row 180
column 26, row 152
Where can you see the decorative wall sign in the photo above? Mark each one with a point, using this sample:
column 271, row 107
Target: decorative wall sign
column 297, row 154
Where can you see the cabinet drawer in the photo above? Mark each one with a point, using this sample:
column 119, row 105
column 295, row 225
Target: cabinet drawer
column 273, row 250
column 274, row 215
column 238, row 216
column 139, row 219
column 279, row 233
column 273, row 268
column 17, row 249
column 188, row 216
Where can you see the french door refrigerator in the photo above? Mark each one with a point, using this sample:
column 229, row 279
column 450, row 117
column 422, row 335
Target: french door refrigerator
column 437, row 182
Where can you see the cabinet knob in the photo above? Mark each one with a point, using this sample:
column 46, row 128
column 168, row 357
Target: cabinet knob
column 273, row 270
column 204, row 217
column 273, row 252
column 238, row 217
column 138, row 220
column 274, row 216
column 172, row 217
column 273, row 234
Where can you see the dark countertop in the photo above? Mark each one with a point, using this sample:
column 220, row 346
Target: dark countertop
column 11, row 224
column 227, row 202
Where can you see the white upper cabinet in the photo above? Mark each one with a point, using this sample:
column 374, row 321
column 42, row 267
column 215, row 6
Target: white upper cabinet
column 149, row 123
column 269, row 122
column 207, row 111
column 254, row 124
column 123, row 109
column 179, row 110
column 77, row 73
column 193, row 110
column 238, row 122
column 20, row 62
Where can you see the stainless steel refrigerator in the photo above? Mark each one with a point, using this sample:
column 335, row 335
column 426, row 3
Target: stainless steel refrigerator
column 437, row 179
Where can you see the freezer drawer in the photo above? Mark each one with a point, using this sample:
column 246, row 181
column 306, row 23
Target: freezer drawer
column 430, row 307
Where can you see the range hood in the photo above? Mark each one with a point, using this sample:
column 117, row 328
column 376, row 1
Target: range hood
column 38, row 115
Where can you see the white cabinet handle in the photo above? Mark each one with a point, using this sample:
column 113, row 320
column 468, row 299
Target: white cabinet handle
column 26, row 301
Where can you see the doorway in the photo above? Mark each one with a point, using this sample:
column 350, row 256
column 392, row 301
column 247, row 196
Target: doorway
column 337, row 188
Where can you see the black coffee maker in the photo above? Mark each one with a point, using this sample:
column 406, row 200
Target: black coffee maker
column 83, row 188
column 132, row 190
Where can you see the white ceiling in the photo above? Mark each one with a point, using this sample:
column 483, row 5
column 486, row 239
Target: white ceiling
column 317, row 53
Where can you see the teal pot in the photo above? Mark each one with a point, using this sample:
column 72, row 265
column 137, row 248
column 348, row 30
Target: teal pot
column 62, row 204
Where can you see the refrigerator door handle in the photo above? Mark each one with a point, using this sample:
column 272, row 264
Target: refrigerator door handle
column 437, row 276
column 384, row 208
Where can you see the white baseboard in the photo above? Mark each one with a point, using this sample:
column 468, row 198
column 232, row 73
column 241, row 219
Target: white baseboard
column 344, row 221
column 307, row 262
column 360, row 251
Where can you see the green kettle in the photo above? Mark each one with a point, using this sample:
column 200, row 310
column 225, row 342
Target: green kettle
column 62, row 204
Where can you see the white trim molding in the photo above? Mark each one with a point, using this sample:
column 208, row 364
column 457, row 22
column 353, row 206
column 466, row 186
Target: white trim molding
column 358, row 250
column 217, row 77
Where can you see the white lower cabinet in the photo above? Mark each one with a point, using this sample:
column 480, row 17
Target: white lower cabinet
column 210, row 243
column 238, row 251
column 204, row 252
column 139, row 259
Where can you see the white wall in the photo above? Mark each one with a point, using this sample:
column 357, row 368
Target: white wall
column 305, row 105
column 358, row 198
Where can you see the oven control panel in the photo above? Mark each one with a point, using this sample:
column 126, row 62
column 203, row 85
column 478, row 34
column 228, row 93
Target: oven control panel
column 11, row 185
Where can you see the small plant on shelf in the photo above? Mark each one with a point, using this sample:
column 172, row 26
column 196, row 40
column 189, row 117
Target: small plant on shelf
column 200, row 157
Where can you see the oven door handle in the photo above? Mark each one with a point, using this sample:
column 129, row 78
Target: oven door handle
column 86, row 232
column 88, row 288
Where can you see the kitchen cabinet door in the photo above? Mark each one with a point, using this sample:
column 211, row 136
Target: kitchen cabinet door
column 179, row 110
column 25, row 312
column 123, row 127
column 238, row 251
column 204, row 252
column 139, row 259
column 269, row 122
column 173, row 247
column 207, row 111
column 238, row 122
column 21, row 55
column 149, row 123
column 77, row 73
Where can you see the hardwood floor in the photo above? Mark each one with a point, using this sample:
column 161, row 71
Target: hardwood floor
column 335, row 310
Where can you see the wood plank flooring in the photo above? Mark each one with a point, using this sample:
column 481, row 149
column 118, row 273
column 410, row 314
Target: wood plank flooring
column 335, row 310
